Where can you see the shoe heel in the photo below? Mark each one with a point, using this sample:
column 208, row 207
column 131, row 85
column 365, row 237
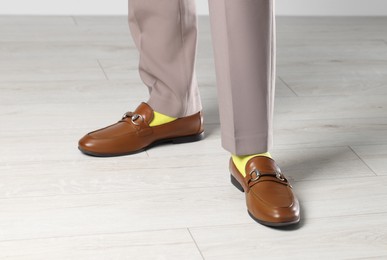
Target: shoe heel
column 236, row 183
column 188, row 139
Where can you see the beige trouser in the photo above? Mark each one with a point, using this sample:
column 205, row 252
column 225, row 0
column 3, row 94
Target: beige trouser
column 243, row 35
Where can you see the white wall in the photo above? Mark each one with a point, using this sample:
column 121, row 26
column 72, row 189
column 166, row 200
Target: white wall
column 331, row 7
column 284, row 7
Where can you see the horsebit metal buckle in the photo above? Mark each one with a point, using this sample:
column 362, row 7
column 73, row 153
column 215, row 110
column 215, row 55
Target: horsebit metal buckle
column 133, row 118
column 258, row 174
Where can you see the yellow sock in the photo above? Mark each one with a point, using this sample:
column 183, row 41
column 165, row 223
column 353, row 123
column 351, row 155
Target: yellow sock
column 159, row 119
column 241, row 161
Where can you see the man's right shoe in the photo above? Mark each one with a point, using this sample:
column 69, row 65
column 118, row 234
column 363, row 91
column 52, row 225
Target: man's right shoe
column 269, row 196
column 133, row 134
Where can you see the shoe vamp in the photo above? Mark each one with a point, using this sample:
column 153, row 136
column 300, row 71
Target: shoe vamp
column 273, row 194
column 114, row 131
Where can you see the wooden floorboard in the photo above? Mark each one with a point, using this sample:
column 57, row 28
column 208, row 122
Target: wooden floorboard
column 62, row 76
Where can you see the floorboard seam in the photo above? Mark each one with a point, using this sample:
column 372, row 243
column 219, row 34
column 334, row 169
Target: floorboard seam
column 75, row 20
column 104, row 72
column 287, row 85
column 196, row 244
column 361, row 159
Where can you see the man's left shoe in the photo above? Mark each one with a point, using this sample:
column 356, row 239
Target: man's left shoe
column 269, row 196
column 133, row 134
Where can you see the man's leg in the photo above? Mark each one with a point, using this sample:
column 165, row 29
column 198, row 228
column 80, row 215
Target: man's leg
column 165, row 33
column 243, row 34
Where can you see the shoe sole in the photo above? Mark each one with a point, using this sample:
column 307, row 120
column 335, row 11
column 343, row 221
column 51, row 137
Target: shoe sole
column 175, row 140
column 236, row 183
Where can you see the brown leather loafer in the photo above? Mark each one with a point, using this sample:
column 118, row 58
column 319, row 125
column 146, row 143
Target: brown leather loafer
column 269, row 197
column 133, row 134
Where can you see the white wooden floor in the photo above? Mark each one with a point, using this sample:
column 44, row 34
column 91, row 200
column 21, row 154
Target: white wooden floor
column 61, row 77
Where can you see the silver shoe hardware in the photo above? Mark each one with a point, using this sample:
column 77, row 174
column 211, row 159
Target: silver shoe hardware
column 126, row 115
column 257, row 175
column 279, row 175
column 135, row 117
